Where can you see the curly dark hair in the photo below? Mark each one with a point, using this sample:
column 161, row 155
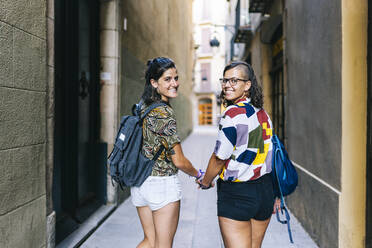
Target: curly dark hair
column 254, row 92
column 155, row 69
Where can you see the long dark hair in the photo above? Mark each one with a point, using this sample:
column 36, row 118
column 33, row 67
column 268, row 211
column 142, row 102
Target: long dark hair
column 254, row 92
column 155, row 69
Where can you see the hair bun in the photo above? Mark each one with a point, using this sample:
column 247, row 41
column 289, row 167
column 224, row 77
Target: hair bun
column 149, row 62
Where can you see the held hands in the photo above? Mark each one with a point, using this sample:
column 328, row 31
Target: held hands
column 199, row 181
column 202, row 186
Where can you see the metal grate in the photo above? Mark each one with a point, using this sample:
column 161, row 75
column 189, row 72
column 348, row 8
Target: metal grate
column 243, row 35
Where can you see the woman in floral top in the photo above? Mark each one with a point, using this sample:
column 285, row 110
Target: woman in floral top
column 158, row 198
column 159, row 128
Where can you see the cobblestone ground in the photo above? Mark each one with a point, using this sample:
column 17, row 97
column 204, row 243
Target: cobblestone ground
column 198, row 226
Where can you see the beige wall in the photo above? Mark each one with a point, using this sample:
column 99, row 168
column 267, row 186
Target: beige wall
column 23, row 115
column 354, row 124
column 157, row 28
column 109, row 94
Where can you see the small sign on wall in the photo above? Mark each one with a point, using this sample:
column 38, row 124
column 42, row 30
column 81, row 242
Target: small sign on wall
column 106, row 76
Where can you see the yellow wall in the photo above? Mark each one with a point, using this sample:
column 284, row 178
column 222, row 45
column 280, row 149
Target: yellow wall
column 261, row 62
column 266, row 79
column 354, row 124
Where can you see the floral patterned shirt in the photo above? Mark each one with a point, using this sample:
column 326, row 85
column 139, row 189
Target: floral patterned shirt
column 159, row 127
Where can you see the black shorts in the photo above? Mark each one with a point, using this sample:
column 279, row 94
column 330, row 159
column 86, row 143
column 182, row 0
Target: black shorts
column 245, row 200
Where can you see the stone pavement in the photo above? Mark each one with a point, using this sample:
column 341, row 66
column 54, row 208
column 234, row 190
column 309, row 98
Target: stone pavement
column 198, row 226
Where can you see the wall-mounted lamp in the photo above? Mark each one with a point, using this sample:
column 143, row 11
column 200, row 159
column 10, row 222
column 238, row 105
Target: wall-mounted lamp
column 214, row 42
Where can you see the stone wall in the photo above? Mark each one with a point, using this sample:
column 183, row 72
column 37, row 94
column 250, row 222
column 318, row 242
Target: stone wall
column 50, row 113
column 23, row 90
column 157, row 28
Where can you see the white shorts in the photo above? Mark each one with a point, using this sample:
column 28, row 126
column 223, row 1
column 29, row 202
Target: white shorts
column 156, row 192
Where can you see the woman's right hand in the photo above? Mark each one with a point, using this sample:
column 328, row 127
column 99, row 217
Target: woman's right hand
column 276, row 205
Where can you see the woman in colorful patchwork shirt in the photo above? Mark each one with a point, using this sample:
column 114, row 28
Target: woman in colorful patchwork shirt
column 242, row 158
column 158, row 198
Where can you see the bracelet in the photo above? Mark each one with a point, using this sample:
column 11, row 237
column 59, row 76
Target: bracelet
column 200, row 174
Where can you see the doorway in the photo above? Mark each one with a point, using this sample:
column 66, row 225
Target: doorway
column 278, row 86
column 278, row 102
column 79, row 177
column 205, row 111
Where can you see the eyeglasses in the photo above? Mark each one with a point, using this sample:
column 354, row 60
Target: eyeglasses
column 233, row 81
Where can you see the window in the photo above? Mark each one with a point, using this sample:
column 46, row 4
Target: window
column 205, row 35
column 205, row 77
column 206, row 10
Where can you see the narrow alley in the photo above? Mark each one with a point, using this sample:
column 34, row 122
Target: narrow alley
column 70, row 69
column 198, row 226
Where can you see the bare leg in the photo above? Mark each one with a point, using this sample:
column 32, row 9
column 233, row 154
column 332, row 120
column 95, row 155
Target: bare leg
column 235, row 234
column 145, row 215
column 258, row 231
column 166, row 222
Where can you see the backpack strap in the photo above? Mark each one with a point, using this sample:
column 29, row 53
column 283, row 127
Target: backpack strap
column 151, row 107
column 275, row 137
column 158, row 153
column 283, row 206
column 148, row 110
column 287, row 217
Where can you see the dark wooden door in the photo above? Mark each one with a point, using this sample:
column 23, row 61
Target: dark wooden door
column 78, row 175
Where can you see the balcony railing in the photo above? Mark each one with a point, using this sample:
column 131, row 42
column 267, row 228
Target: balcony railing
column 243, row 31
column 259, row 6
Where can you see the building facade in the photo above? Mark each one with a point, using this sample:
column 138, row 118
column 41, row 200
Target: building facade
column 69, row 69
column 209, row 27
column 311, row 58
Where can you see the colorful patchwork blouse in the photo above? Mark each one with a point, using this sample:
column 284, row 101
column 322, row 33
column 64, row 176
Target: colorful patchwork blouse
column 159, row 127
column 244, row 140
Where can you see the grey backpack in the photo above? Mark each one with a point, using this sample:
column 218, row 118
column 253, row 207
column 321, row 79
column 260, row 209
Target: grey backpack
column 128, row 166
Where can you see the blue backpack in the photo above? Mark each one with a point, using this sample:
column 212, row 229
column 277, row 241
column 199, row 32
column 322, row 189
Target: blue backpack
column 284, row 177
